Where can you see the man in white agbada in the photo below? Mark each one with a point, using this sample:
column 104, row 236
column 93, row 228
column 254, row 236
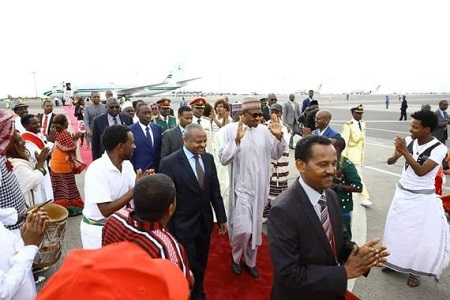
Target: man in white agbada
column 247, row 149
column 417, row 233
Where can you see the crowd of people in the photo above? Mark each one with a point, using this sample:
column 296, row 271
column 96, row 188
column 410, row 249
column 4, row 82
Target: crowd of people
column 161, row 182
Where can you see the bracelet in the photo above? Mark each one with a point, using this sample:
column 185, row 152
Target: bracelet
column 42, row 170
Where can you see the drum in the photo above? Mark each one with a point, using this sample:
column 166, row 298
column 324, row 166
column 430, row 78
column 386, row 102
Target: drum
column 446, row 203
column 51, row 246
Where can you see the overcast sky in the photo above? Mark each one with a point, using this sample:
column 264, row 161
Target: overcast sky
column 236, row 46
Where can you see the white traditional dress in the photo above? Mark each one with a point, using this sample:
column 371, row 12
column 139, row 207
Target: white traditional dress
column 249, row 164
column 417, row 233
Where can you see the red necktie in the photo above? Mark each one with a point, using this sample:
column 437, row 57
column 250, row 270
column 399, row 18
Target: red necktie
column 44, row 126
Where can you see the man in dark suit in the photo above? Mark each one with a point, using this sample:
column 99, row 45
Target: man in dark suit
column 112, row 117
column 194, row 174
column 403, row 108
column 311, row 253
column 147, row 137
column 307, row 102
column 172, row 139
column 322, row 122
column 441, row 130
column 46, row 119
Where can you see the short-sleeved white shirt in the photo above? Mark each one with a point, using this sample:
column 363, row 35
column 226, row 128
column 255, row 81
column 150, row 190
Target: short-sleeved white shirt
column 105, row 183
column 411, row 180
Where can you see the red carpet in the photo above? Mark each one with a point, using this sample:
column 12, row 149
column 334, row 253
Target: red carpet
column 221, row 284
column 86, row 155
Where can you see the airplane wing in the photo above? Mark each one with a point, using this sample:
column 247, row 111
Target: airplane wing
column 187, row 80
column 136, row 89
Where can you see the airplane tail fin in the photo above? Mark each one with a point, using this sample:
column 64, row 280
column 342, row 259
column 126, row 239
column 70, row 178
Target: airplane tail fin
column 173, row 75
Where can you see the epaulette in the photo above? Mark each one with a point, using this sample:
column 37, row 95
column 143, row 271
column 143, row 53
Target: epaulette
column 350, row 122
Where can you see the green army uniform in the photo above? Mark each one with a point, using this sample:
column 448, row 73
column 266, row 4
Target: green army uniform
column 346, row 174
column 167, row 122
column 171, row 122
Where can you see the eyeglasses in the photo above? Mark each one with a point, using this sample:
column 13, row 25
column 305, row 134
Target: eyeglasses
column 254, row 115
column 114, row 106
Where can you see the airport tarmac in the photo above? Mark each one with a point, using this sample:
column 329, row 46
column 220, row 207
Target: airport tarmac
column 382, row 126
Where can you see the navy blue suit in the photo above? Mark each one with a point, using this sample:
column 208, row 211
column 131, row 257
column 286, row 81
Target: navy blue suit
column 146, row 156
column 329, row 132
column 99, row 127
column 192, row 221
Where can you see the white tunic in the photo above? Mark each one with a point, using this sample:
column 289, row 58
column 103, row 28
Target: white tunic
column 45, row 187
column 249, row 164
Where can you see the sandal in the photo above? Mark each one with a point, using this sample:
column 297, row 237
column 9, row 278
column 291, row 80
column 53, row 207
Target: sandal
column 39, row 279
column 413, row 280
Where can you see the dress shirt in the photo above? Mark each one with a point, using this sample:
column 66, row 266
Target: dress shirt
column 191, row 159
column 313, row 196
column 321, row 132
column 182, row 129
column 143, row 127
column 111, row 120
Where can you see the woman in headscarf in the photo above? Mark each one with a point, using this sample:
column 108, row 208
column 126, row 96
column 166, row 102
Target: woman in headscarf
column 28, row 174
column 61, row 164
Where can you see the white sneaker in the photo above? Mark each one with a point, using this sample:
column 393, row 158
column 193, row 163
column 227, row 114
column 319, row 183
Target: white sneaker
column 366, row 203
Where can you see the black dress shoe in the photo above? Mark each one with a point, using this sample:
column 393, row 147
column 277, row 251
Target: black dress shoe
column 235, row 268
column 253, row 271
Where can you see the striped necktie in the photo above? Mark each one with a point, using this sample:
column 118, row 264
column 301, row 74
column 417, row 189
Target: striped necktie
column 325, row 218
column 199, row 170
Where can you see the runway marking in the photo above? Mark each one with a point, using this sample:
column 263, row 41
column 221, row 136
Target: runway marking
column 395, row 174
column 383, row 171
column 380, row 145
column 387, row 130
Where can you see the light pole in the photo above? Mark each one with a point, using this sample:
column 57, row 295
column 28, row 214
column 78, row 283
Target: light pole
column 35, row 84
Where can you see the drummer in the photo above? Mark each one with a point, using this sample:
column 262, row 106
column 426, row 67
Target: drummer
column 18, row 254
column 109, row 183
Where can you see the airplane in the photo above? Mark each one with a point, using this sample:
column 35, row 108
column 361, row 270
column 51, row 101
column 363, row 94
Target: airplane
column 365, row 92
column 170, row 83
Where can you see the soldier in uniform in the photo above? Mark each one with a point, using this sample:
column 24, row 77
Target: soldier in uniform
column 354, row 134
column 198, row 107
column 165, row 120
column 346, row 181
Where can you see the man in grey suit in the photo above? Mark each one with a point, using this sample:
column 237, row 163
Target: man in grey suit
column 441, row 130
column 172, row 139
column 291, row 113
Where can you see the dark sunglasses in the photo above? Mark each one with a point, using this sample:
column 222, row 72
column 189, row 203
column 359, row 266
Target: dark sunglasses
column 255, row 115
column 154, row 108
column 114, row 106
